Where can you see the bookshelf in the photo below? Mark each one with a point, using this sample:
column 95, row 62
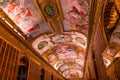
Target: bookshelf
column 8, row 60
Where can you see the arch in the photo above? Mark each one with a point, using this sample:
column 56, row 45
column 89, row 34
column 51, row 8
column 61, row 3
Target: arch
column 110, row 18
column 42, row 74
column 23, row 68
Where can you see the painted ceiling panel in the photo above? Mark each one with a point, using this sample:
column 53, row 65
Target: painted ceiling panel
column 76, row 15
column 64, row 67
column 76, row 38
column 51, row 57
column 25, row 15
column 37, row 42
column 112, row 51
column 64, row 50
column 64, row 57
column 61, row 38
column 73, row 73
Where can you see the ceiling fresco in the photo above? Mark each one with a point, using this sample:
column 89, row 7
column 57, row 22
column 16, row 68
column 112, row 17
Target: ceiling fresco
column 46, row 42
column 58, row 29
column 64, row 52
column 112, row 31
column 66, row 57
column 26, row 16
column 76, row 15
column 113, row 50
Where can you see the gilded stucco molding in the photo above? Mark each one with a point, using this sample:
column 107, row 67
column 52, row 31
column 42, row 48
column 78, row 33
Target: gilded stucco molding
column 95, row 20
column 51, row 12
column 102, row 22
column 8, row 35
column 117, row 2
column 5, row 33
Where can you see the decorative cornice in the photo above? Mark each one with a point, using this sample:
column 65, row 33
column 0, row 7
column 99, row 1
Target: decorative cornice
column 24, row 46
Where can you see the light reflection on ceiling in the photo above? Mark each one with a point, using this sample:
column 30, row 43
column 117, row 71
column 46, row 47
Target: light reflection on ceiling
column 65, row 51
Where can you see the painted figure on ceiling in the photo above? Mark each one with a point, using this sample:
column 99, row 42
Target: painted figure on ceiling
column 76, row 15
column 65, row 51
column 4, row 2
column 25, row 15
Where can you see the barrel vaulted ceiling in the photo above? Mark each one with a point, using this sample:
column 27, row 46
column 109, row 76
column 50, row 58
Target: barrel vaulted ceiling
column 112, row 30
column 56, row 29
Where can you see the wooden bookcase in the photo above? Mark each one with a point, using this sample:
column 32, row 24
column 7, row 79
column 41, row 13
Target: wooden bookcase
column 8, row 60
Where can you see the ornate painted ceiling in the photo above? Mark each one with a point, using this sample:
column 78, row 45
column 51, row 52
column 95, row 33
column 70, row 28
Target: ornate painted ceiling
column 112, row 30
column 113, row 49
column 56, row 29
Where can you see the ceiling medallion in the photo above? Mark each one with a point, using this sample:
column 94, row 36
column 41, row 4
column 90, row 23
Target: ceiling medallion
column 42, row 44
column 50, row 10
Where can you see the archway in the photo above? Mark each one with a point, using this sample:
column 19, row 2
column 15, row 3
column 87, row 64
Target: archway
column 23, row 69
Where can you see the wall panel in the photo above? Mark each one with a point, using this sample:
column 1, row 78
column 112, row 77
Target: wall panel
column 8, row 60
